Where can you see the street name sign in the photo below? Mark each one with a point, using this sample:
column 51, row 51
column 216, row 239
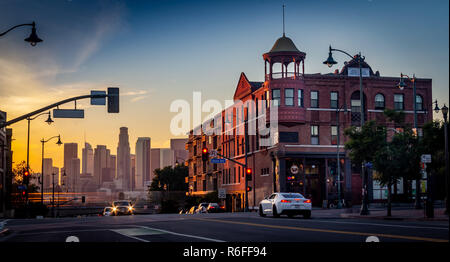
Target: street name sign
column 68, row 113
column 425, row 158
column 218, row 160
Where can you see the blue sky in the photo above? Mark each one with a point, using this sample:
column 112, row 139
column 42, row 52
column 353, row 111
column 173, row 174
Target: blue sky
column 159, row 51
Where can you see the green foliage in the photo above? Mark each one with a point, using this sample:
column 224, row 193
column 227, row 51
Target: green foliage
column 364, row 142
column 170, row 179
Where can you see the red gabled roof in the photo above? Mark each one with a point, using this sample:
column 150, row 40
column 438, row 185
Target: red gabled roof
column 245, row 87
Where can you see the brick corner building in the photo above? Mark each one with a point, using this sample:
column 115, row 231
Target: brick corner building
column 304, row 159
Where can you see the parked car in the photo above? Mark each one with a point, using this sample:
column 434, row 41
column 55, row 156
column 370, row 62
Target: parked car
column 289, row 204
column 108, row 211
column 192, row 210
column 123, row 207
column 202, row 208
column 213, row 208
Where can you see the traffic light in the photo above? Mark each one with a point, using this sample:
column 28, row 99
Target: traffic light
column 249, row 188
column 205, row 154
column 248, row 174
column 113, row 100
column 26, row 177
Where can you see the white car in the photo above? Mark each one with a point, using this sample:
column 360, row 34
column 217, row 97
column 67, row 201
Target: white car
column 289, row 204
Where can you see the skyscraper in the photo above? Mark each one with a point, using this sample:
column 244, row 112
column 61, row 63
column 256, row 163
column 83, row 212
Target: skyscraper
column 143, row 147
column 160, row 158
column 87, row 159
column 101, row 158
column 71, row 152
column 48, row 170
column 133, row 172
column 178, row 145
column 123, row 159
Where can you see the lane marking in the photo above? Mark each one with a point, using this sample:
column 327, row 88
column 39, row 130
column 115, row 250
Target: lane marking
column 326, row 230
column 381, row 225
column 184, row 235
column 359, row 223
column 130, row 236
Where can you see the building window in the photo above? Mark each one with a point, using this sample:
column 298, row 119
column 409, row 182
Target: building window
column 419, row 103
column 379, row 101
column 334, row 134
column 398, row 102
column 314, row 135
column 334, row 100
column 288, row 137
column 314, row 99
column 289, row 97
column 300, row 98
column 276, row 97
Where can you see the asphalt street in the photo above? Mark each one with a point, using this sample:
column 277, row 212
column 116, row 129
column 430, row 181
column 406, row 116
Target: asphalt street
column 223, row 227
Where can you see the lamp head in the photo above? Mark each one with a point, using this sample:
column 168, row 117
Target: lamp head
column 33, row 39
column 59, row 141
column 445, row 111
column 436, row 107
column 401, row 84
column 330, row 60
column 49, row 119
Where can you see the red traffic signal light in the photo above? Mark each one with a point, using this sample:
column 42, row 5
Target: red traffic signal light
column 205, row 154
column 249, row 188
column 26, row 173
column 248, row 174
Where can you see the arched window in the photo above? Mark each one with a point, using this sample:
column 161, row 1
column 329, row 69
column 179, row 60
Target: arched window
column 379, row 101
column 419, row 103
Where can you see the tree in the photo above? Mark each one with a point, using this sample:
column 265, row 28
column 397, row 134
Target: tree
column 364, row 142
column 393, row 161
column 170, row 179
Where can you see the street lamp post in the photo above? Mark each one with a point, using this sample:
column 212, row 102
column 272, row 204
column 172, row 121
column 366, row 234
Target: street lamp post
column 343, row 107
column 444, row 111
column 48, row 121
column 360, row 59
column 401, row 85
column 43, row 141
column 33, row 39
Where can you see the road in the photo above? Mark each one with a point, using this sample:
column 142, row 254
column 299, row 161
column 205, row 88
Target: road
column 224, row 227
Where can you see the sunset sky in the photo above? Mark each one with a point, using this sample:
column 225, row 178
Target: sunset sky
column 160, row 51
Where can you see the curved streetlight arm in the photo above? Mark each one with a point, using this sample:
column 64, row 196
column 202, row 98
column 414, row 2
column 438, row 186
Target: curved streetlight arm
column 412, row 79
column 41, row 114
column 333, row 49
column 14, row 27
column 50, row 107
column 45, row 141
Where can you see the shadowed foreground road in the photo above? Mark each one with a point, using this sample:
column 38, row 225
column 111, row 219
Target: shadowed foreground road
column 226, row 227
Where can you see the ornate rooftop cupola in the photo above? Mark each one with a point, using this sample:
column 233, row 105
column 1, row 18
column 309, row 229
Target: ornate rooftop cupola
column 285, row 52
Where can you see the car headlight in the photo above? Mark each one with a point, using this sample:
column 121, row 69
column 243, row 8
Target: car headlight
column 130, row 208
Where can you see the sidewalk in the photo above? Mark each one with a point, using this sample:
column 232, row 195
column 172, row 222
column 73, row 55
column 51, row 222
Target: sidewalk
column 379, row 212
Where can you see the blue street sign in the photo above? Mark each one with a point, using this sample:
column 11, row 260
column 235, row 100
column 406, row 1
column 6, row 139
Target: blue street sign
column 369, row 165
column 21, row 187
column 218, row 160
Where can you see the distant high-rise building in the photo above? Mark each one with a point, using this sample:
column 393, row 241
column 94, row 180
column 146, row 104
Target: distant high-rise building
column 112, row 164
column 48, row 170
column 123, row 159
column 133, row 171
column 101, row 159
column 87, row 159
column 143, row 147
column 74, row 179
column 70, row 152
column 178, row 145
column 160, row 158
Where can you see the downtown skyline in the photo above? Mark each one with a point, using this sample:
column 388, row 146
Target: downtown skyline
column 157, row 53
